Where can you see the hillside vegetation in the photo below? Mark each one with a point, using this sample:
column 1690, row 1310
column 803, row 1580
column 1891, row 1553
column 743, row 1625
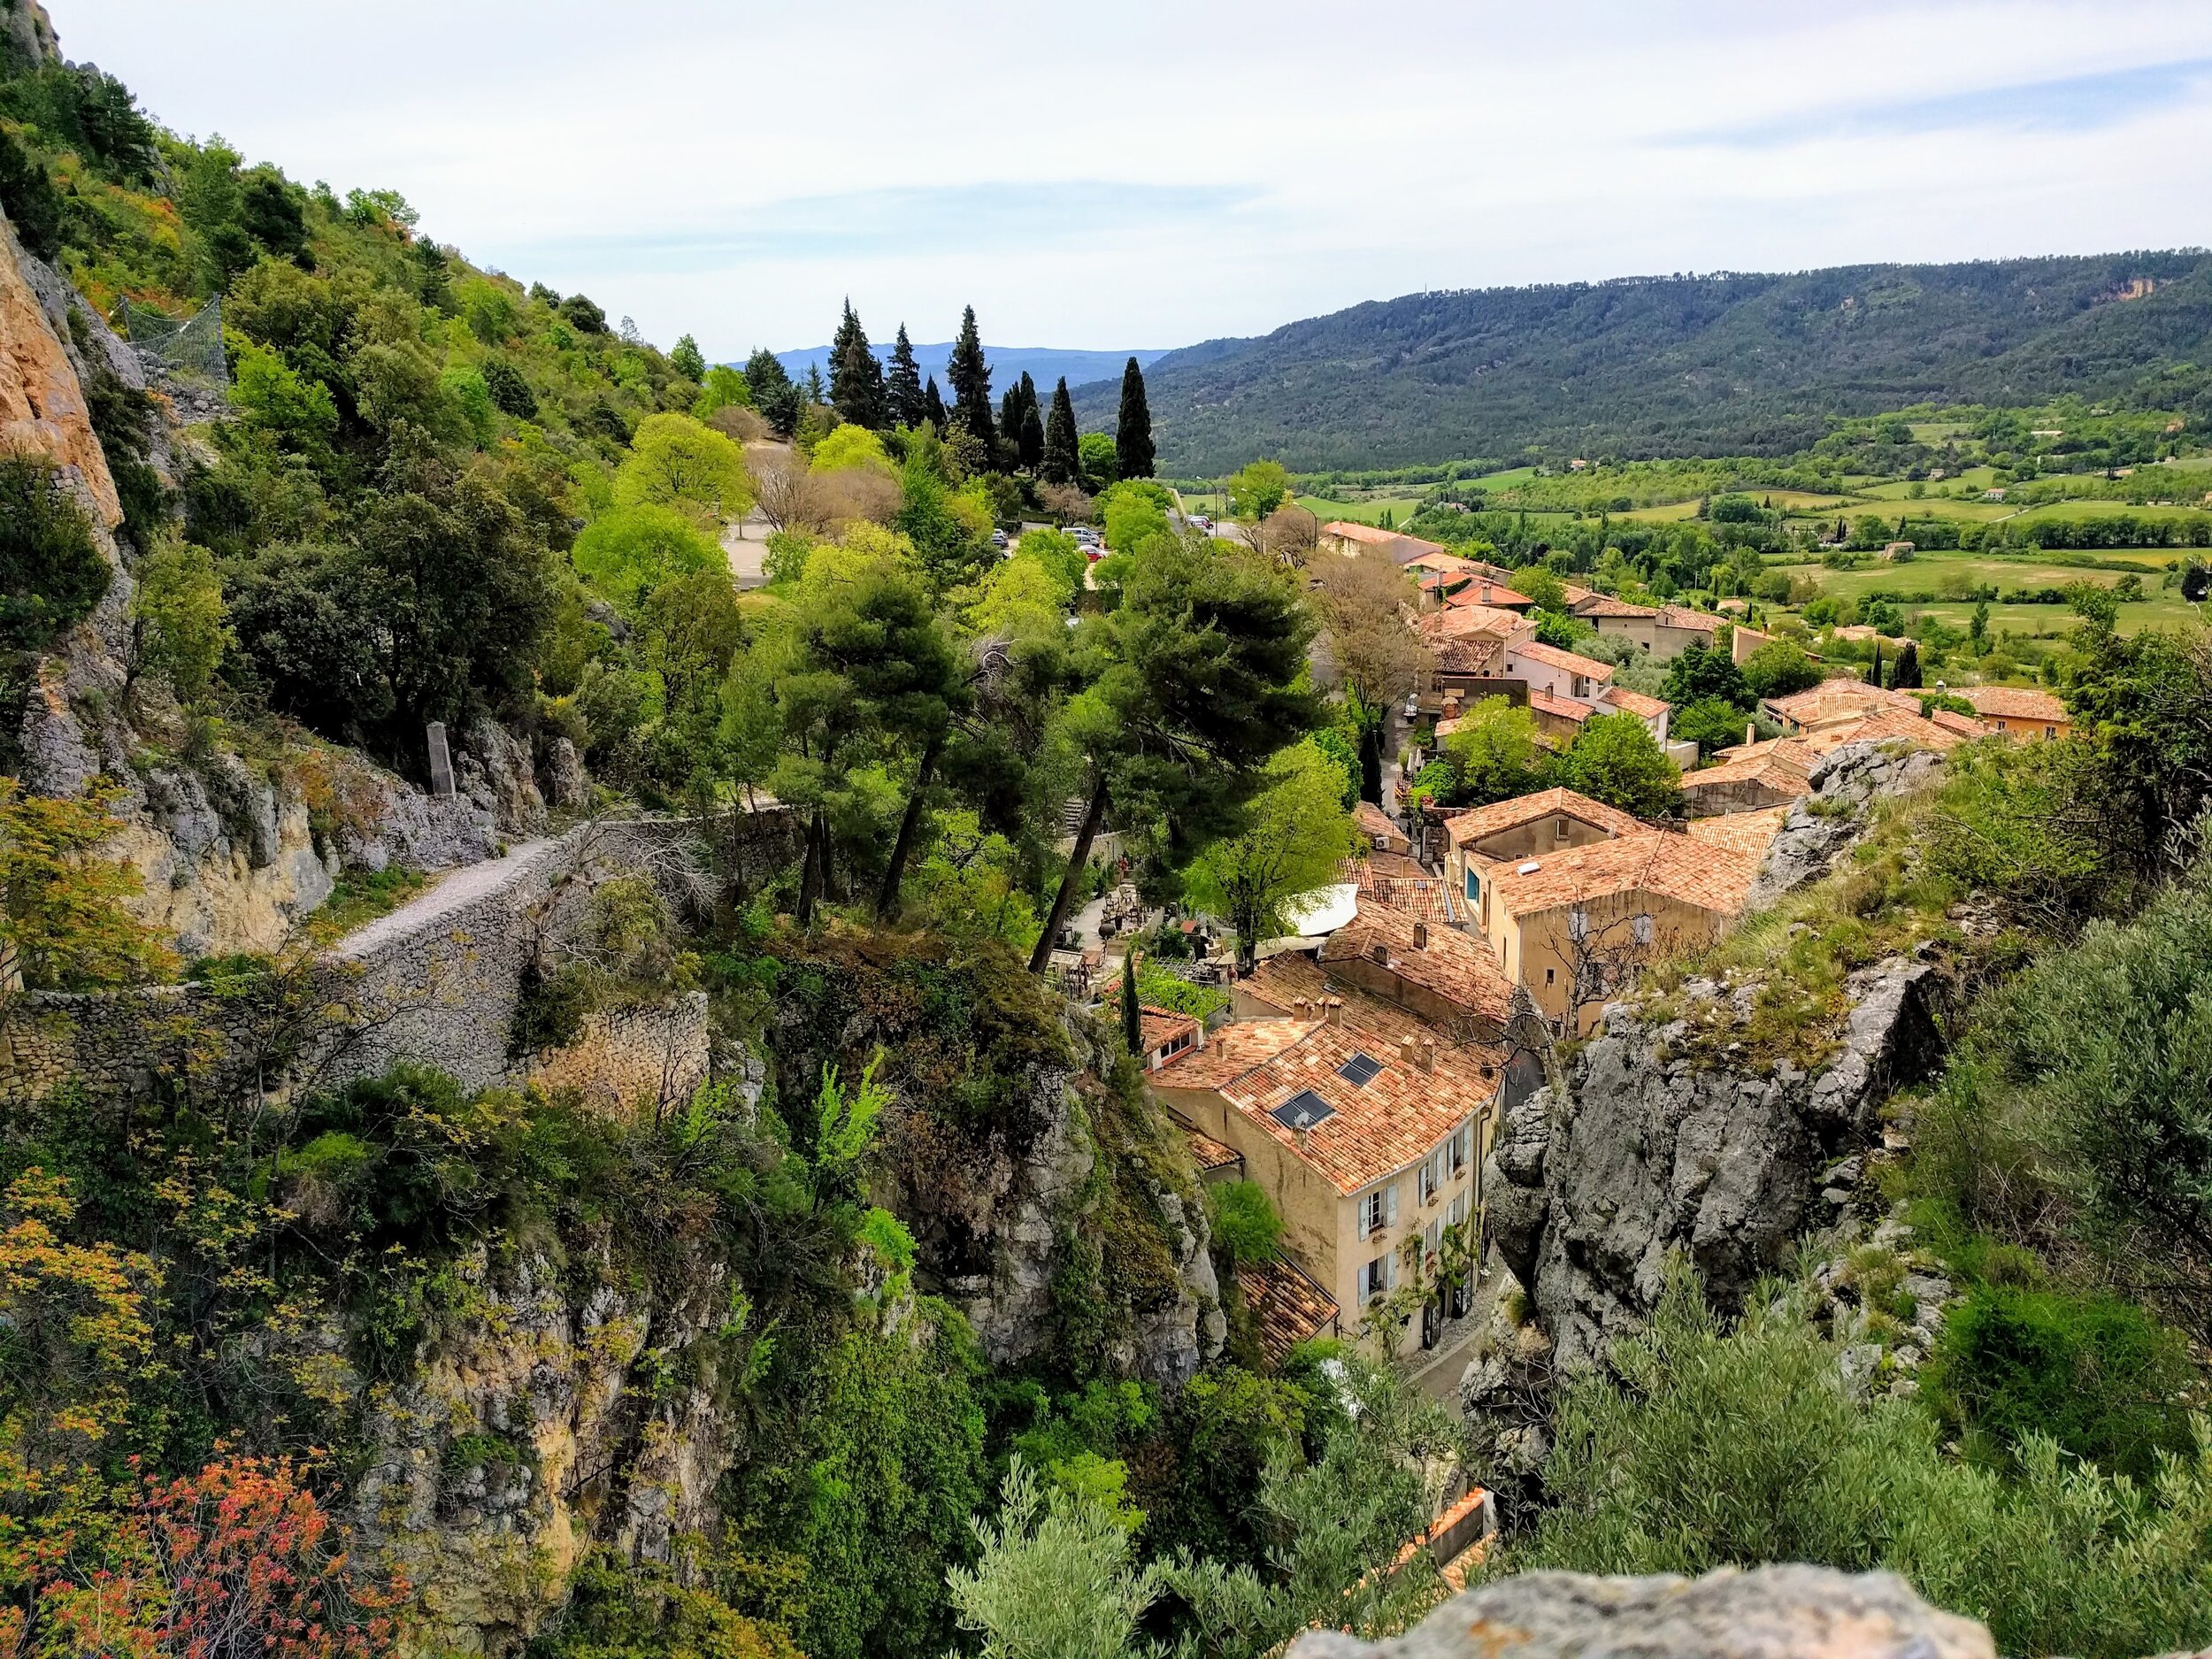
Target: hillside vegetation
column 1723, row 364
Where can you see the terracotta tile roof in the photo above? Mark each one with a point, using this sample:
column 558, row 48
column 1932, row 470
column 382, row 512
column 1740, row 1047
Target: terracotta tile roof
column 1159, row 1026
column 1597, row 604
column 1288, row 1308
column 1635, row 702
column 1373, row 1129
column 1559, row 708
column 1577, row 594
column 1372, row 534
column 1840, row 700
column 1683, row 617
column 1421, row 896
column 1965, row 726
column 1210, row 1154
column 1458, row 621
column 2017, row 703
column 1285, row 981
column 1232, row 1051
column 1371, row 819
column 1394, row 864
column 1665, row 862
column 1566, row 662
column 1884, row 723
column 1778, row 763
column 1451, row 966
column 1746, row 835
column 1443, row 564
column 1488, row 593
column 1480, row 822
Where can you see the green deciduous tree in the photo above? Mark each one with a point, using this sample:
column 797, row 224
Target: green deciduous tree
column 1495, row 755
column 1256, row 489
column 629, row 552
column 1779, row 669
column 679, row 462
column 1699, row 672
column 1296, row 832
column 63, row 921
column 179, row 627
column 1617, row 760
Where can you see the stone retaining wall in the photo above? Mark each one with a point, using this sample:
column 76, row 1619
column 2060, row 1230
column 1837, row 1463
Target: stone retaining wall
column 437, row 982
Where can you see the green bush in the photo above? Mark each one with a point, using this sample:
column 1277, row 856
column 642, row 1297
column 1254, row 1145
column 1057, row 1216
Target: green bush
column 52, row 572
column 2096, row 1374
column 1244, row 1224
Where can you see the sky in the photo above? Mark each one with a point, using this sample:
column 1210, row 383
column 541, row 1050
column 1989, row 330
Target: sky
column 1148, row 174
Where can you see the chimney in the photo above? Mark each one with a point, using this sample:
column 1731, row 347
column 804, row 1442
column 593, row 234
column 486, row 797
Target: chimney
column 1428, row 1054
column 1336, row 1006
column 1298, row 1008
column 1406, row 1049
column 1750, row 731
column 1420, row 936
column 1486, row 592
column 1380, row 953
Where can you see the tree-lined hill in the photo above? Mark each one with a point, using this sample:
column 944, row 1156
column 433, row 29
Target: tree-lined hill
column 1723, row 364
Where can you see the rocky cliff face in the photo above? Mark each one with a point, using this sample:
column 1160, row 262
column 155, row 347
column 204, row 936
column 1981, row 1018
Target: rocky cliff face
column 1768, row 1613
column 1642, row 1146
column 525, row 1439
column 1661, row 1134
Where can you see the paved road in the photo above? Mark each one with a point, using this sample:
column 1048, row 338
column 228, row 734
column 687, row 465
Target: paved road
column 747, row 545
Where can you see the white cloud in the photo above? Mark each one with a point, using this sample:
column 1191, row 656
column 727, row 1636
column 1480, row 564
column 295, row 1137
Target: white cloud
column 1151, row 174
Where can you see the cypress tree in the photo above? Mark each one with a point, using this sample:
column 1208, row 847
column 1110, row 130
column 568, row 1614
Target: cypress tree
column 971, row 377
column 1906, row 675
column 902, row 385
column 1061, row 461
column 933, row 407
column 1029, row 437
column 856, row 376
column 1133, row 430
column 1131, row 1016
column 1874, row 670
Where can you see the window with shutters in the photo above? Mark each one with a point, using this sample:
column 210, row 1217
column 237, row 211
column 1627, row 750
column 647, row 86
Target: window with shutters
column 1577, row 923
column 1643, row 930
column 1462, row 1143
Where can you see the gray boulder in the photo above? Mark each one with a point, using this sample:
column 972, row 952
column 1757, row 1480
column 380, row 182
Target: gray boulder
column 1768, row 1613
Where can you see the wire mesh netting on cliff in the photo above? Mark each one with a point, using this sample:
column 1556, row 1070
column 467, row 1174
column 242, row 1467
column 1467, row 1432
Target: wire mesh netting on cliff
column 191, row 349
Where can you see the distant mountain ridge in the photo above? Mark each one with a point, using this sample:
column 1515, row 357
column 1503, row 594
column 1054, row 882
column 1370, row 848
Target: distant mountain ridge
column 1045, row 365
column 1729, row 363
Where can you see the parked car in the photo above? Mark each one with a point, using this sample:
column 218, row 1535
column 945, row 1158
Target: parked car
column 998, row 538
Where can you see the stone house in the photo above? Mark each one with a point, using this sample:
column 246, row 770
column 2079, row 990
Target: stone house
column 1346, row 537
column 1364, row 1128
column 2020, row 712
column 1662, row 630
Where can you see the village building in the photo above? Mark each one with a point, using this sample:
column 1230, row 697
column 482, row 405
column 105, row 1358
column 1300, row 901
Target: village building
column 2019, row 711
column 1751, row 776
column 1348, row 538
column 1380, row 831
column 1365, row 1129
column 1662, row 630
column 1565, row 689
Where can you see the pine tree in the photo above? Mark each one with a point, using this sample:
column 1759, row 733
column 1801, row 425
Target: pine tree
column 933, row 407
column 1133, row 430
column 773, row 393
column 1061, row 461
column 1131, row 1014
column 902, row 386
column 856, row 376
column 971, row 377
column 814, row 391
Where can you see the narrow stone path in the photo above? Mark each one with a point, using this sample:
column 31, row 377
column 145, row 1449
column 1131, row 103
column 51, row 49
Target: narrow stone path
column 460, row 887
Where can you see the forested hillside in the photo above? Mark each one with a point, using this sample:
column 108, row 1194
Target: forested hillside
column 1721, row 364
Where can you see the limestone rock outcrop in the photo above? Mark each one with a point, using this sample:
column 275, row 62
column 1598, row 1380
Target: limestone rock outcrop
column 1644, row 1144
column 1846, row 782
column 1790, row 1612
